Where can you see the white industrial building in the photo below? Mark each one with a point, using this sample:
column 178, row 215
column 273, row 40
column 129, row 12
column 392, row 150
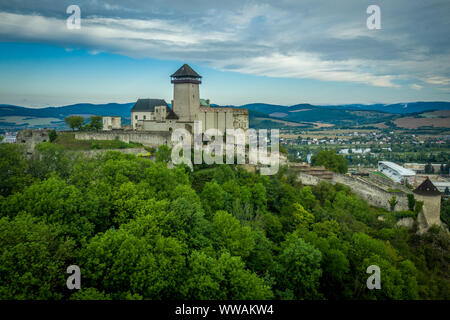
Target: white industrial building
column 9, row 138
column 396, row 172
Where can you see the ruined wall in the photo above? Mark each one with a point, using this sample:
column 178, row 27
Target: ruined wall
column 151, row 139
column 374, row 195
column 30, row 138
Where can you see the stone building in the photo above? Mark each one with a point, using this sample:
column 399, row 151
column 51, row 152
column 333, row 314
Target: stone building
column 153, row 121
column 187, row 107
column 111, row 123
column 146, row 110
column 431, row 210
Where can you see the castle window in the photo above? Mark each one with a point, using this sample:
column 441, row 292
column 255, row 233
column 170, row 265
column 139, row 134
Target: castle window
column 145, row 117
column 136, row 117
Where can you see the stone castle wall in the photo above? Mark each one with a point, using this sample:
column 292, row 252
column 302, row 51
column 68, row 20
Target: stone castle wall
column 431, row 209
column 153, row 139
column 374, row 195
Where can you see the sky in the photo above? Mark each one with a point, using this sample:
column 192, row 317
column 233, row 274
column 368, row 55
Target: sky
column 280, row 52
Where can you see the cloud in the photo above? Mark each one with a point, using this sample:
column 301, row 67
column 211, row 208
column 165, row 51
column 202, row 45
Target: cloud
column 321, row 40
column 442, row 81
column 310, row 66
column 415, row 86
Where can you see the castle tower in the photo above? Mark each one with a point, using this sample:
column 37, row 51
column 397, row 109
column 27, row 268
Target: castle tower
column 431, row 210
column 186, row 93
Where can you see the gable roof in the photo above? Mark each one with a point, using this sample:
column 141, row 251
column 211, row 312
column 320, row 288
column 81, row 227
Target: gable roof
column 186, row 71
column 427, row 188
column 148, row 105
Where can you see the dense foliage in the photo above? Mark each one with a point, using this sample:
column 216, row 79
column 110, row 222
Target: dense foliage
column 139, row 230
column 74, row 122
column 330, row 160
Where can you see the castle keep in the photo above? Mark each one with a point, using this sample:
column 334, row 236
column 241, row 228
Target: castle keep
column 154, row 115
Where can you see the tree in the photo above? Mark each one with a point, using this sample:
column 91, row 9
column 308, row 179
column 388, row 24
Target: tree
column 52, row 158
column 429, row 168
column 259, row 197
column 222, row 278
column 55, row 202
column 74, row 122
column 411, row 201
column 212, row 198
column 52, row 135
column 230, row 235
column 445, row 212
column 297, row 269
column 33, row 259
column 163, row 154
column 418, row 207
column 134, row 260
column 96, row 122
column 13, row 169
column 393, row 202
column 330, row 160
column 307, row 198
column 303, row 217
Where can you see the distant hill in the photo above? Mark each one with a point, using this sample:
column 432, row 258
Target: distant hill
column 109, row 109
column 397, row 108
column 260, row 114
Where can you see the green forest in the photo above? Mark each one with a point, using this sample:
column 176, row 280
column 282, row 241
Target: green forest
column 139, row 230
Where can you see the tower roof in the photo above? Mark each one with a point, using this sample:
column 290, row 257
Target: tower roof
column 427, row 188
column 185, row 71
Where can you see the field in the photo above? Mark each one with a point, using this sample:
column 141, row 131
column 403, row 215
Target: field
column 436, row 114
column 30, row 121
column 414, row 123
column 283, row 122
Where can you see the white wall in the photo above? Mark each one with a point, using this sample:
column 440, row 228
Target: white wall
column 140, row 116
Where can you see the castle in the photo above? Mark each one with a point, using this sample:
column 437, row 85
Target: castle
column 154, row 115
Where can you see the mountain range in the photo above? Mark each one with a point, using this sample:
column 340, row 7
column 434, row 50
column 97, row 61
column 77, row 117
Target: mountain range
column 17, row 117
